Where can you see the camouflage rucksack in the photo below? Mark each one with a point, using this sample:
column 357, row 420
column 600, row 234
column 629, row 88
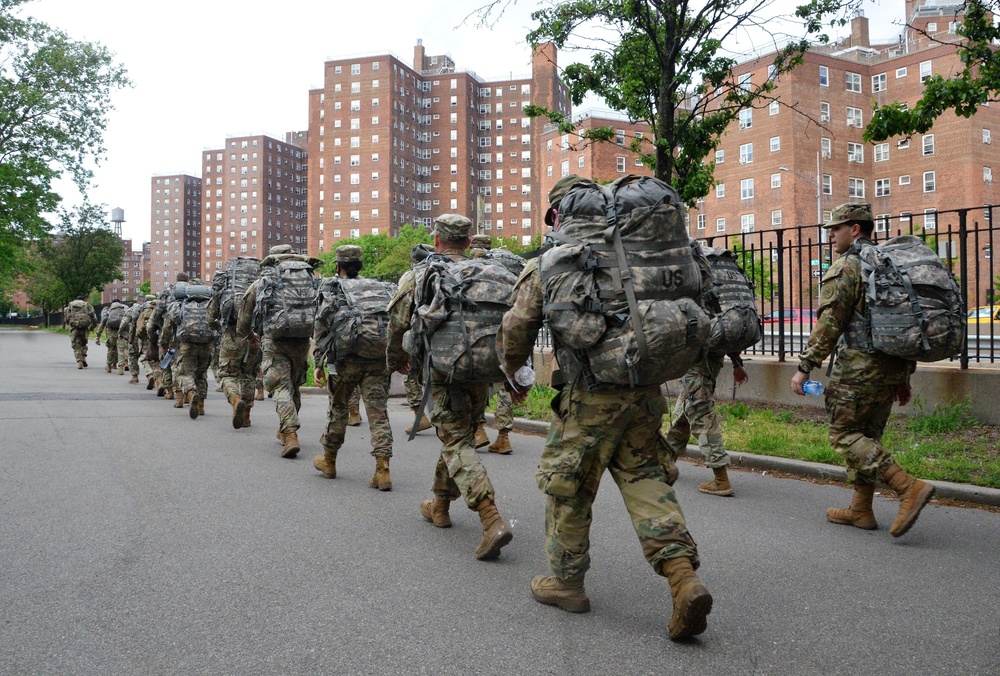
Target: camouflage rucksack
column 78, row 318
column 192, row 315
column 736, row 326
column 622, row 285
column 353, row 318
column 913, row 304
column 287, row 296
column 115, row 313
column 232, row 283
column 459, row 307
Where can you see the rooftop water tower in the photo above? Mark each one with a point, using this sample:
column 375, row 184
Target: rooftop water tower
column 117, row 218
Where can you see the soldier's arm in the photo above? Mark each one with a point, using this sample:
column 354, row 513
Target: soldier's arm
column 400, row 311
column 214, row 313
column 520, row 325
column 841, row 286
column 244, row 320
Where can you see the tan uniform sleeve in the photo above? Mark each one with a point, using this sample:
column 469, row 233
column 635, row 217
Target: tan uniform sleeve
column 841, row 291
column 520, row 325
column 400, row 310
column 244, row 320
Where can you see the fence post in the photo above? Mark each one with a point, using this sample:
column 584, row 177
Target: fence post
column 963, row 271
column 781, row 293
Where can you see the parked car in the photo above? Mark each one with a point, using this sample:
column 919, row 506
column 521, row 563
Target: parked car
column 796, row 315
column 985, row 315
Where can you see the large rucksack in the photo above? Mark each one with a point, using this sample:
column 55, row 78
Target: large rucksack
column 913, row 305
column 78, row 318
column 115, row 314
column 623, row 285
column 736, row 326
column 287, row 296
column 458, row 309
column 239, row 274
column 192, row 315
column 353, row 318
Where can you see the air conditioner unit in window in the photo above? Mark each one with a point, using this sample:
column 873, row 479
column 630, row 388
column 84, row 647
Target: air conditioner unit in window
column 826, row 154
column 744, row 125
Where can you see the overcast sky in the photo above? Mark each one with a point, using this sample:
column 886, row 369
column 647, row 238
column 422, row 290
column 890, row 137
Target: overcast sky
column 207, row 69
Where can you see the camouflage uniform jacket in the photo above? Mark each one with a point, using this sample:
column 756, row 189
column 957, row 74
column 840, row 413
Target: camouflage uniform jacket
column 520, row 326
column 401, row 308
column 245, row 317
column 842, row 301
column 90, row 313
column 141, row 323
column 105, row 315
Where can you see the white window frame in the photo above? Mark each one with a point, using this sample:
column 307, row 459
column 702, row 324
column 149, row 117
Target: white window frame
column 882, row 187
column 852, row 82
column 930, row 181
column 879, row 83
column 855, row 187
column 881, row 152
column 746, row 189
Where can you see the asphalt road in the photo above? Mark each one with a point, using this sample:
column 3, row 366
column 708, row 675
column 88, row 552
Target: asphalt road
column 134, row 540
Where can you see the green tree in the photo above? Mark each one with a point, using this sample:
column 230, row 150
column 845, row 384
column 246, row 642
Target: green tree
column 756, row 264
column 976, row 85
column 382, row 255
column 55, row 96
column 144, row 289
column 665, row 63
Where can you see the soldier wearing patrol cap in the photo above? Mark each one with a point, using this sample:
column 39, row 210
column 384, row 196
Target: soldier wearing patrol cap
column 863, row 384
column 556, row 194
column 456, row 409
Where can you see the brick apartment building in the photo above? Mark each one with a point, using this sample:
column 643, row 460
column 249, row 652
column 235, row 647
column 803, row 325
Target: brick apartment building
column 127, row 288
column 254, row 194
column 175, row 244
column 392, row 143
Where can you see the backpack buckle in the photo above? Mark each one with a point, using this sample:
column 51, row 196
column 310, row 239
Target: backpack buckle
column 593, row 305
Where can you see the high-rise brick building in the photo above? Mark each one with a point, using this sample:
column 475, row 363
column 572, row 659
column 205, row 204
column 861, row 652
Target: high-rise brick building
column 175, row 245
column 254, row 197
column 127, row 288
column 392, row 143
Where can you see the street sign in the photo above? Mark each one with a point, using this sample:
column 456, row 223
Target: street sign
column 815, row 262
column 816, row 273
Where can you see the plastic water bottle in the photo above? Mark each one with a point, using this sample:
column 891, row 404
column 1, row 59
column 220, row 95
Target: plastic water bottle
column 813, row 388
column 525, row 377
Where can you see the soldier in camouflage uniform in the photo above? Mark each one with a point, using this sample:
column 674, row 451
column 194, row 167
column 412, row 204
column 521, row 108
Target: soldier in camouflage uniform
column 504, row 415
column 79, row 335
column 285, row 361
column 370, row 378
column 457, row 408
column 863, row 384
column 154, row 327
column 112, row 336
column 695, row 414
column 238, row 365
column 354, row 408
column 151, row 367
column 189, row 365
column 128, row 350
column 613, row 429
column 413, row 384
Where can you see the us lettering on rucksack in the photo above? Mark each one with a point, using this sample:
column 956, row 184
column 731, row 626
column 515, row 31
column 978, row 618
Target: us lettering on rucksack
column 192, row 319
column 622, row 285
column 287, row 296
column 459, row 307
column 79, row 318
column 913, row 303
column 353, row 318
column 736, row 325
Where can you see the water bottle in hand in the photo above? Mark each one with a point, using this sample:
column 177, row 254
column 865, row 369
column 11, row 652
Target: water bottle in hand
column 813, row 388
column 524, row 377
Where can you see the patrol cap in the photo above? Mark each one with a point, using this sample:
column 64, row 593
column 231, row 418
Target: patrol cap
column 348, row 253
column 453, row 227
column 481, row 242
column 558, row 191
column 847, row 213
column 149, row 296
column 279, row 249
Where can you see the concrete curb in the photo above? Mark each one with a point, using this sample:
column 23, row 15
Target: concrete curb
column 977, row 495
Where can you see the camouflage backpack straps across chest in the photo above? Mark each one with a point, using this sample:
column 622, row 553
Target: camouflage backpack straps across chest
column 913, row 304
column 622, row 286
column 736, row 326
column 287, row 296
column 353, row 318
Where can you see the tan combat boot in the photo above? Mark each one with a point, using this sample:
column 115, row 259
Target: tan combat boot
column 354, row 417
column 496, row 531
column 692, row 602
column 259, row 396
column 913, row 495
column 291, row 444
column 197, row 406
column 246, row 417
column 425, row 424
column 436, row 511
column 280, row 436
column 169, row 393
column 79, row 363
column 201, row 405
column 179, row 403
column 859, row 514
column 502, row 444
column 481, row 438
column 121, row 370
column 566, row 594
column 719, row 485
column 327, row 463
column 381, row 480
column 239, row 410
column 107, row 368
column 133, row 380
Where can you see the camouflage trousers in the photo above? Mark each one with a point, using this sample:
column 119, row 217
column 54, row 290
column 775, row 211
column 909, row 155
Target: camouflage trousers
column 503, row 416
column 190, row 367
column 617, row 431
column 414, row 388
column 133, row 356
column 237, row 369
column 456, row 411
column 372, row 380
column 150, row 367
column 354, row 402
column 695, row 413
column 284, row 365
column 858, row 415
column 112, row 343
column 216, row 348
column 78, row 339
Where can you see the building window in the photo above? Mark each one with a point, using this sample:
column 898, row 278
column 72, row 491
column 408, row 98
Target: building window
column 881, row 187
column 620, row 164
column 882, row 152
column 746, row 153
column 925, row 70
column 878, row 83
column 775, row 144
column 903, row 144
column 746, row 223
column 855, row 152
column 827, row 182
column 900, row 72
column 825, row 147
column 773, row 108
column 720, row 155
column 746, row 118
column 824, row 111
column 987, row 137
column 776, row 217
column 720, row 190
column 776, row 180
column 854, row 117
column 930, row 219
column 720, row 225
column 882, row 223
column 824, row 76
column 746, row 188
column 928, row 144
column 987, row 175
column 930, row 182
column 701, row 221
column 853, row 82
column 744, row 83
column 904, row 179
column 855, row 187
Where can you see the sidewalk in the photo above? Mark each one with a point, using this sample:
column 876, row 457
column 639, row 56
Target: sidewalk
column 977, row 495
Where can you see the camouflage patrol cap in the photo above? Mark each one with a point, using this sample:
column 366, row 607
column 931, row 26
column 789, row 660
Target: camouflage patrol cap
column 348, row 253
column 558, row 191
column 279, row 249
column 195, row 281
column 149, row 296
column 848, row 213
column 481, row 242
column 453, row 227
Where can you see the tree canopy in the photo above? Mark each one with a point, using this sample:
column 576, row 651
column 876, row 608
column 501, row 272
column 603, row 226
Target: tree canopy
column 55, row 97
column 976, row 85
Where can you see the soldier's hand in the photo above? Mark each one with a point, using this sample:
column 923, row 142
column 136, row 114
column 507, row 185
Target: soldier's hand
column 903, row 394
column 517, row 395
column 797, row 381
column 404, row 369
column 319, row 375
column 253, row 340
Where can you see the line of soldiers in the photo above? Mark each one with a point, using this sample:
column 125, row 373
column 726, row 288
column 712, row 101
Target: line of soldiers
column 613, row 429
